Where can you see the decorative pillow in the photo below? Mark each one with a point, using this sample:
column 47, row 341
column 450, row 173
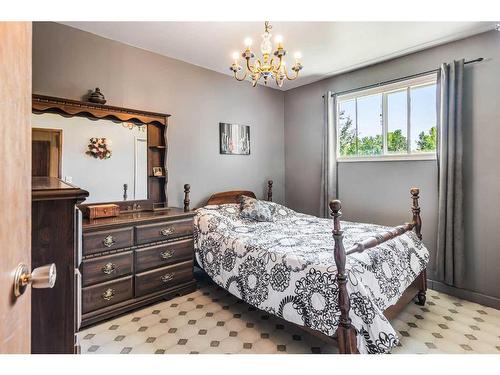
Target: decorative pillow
column 254, row 209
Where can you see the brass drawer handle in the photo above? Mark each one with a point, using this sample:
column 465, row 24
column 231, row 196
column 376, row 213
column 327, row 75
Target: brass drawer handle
column 109, row 241
column 108, row 294
column 167, row 277
column 167, row 254
column 109, row 268
column 167, row 231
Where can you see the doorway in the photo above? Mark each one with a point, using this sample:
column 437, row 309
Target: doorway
column 46, row 152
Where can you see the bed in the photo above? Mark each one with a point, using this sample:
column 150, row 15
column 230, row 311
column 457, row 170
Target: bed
column 340, row 280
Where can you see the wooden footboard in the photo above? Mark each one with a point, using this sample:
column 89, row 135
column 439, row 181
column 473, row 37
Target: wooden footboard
column 346, row 333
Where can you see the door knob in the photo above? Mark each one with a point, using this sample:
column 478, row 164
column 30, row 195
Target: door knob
column 39, row 278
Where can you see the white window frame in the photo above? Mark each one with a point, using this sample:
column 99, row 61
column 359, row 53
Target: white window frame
column 426, row 80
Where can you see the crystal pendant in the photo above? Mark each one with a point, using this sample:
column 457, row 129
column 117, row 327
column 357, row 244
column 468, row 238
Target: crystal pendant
column 266, row 47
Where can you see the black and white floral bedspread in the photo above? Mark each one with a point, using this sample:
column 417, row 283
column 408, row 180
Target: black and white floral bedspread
column 286, row 268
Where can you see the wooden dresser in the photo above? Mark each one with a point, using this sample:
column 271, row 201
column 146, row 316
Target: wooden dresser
column 140, row 256
column 135, row 259
column 53, row 238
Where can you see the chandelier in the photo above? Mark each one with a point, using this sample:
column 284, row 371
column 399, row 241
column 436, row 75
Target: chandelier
column 268, row 67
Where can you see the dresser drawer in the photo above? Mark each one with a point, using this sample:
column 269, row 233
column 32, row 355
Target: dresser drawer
column 107, row 240
column 163, row 278
column 163, row 231
column 163, row 255
column 106, row 294
column 107, row 268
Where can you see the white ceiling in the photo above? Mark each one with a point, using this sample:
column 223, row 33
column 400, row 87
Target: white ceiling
column 328, row 48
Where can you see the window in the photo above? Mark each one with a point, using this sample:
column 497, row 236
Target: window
column 394, row 121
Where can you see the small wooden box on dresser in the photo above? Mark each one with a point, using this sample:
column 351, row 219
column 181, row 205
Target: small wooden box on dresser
column 135, row 259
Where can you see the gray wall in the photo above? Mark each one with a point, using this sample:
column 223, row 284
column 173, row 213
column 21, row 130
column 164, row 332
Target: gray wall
column 67, row 62
column 378, row 191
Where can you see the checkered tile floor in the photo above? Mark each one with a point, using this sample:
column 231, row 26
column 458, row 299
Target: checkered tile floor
column 212, row 321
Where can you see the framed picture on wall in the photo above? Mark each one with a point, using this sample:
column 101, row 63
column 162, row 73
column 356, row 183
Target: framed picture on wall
column 234, row 139
column 158, row 171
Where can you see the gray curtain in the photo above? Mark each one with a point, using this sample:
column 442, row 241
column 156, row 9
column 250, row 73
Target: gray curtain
column 450, row 257
column 329, row 159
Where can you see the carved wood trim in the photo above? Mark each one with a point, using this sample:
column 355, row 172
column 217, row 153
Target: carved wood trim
column 69, row 107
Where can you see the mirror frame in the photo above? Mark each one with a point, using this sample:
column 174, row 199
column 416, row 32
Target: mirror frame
column 156, row 123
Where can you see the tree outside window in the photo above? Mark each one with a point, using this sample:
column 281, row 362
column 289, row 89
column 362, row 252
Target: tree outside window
column 379, row 124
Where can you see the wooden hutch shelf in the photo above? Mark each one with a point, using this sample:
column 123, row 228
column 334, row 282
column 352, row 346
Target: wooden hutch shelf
column 43, row 104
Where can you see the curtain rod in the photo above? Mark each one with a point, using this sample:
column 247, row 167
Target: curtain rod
column 479, row 59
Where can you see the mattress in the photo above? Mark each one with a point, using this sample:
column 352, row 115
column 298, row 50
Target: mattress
column 286, row 267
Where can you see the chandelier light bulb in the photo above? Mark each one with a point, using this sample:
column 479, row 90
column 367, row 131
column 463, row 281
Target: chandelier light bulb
column 248, row 42
column 278, row 39
column 297, row 55
column 236, row 56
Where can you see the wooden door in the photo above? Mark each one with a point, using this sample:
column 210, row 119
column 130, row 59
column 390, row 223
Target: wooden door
column 46, row 152
column 15, row 182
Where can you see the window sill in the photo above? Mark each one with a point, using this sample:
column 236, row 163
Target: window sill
column 411, row 157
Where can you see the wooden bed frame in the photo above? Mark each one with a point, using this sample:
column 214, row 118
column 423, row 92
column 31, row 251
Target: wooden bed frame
column 346, row 333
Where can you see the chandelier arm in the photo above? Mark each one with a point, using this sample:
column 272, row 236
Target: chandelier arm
column 278, row 81
column 251, row 68
column 240, row 79
column 281, row 60
column 291, row 78
column 260, row 66
column 276, row 68
column 254, row 81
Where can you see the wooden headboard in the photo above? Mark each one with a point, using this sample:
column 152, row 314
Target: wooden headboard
column 229, row 196
column 232, row 196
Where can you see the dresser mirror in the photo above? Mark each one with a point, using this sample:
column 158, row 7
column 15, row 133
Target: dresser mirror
column 108, row 159
column 116, row 154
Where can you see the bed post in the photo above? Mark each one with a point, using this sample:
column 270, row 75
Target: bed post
column 187, row 189
column 346, row 333
column 270, row 190
column 417, row 221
